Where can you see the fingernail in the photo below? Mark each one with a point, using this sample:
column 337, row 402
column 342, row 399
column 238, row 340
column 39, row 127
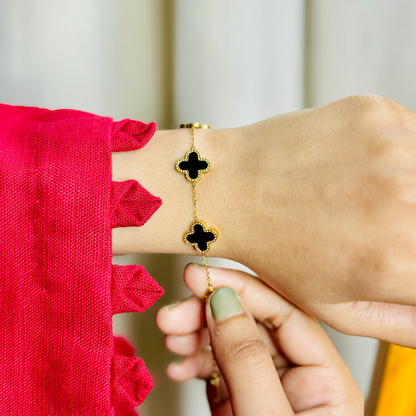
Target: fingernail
column 224, row 303
column 178, row 361
column 198, row 265
column 172, row 305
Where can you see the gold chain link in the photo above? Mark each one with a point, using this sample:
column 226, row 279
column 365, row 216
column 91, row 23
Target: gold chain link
column 193, row 138
column 209, row 281
column 194, row 201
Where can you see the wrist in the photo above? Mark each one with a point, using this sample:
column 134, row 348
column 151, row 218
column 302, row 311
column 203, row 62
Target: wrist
column 219, row 191
column 258, row 193
column 153, row 167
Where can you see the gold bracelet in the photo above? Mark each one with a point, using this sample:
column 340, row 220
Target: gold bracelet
column 193, row 166
column 200, row 237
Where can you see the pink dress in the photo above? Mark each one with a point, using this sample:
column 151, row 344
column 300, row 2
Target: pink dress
column 59, row 289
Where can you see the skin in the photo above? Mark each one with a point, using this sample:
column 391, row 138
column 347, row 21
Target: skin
column 320, row 203
column 274, row 359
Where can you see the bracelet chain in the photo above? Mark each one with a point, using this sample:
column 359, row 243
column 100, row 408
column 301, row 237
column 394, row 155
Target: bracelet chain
column 184, row 166
column 193, row 171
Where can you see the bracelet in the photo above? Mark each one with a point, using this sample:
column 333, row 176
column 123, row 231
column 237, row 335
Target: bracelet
column 193, row 166
column 200, row 237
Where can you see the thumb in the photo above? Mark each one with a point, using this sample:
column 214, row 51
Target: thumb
column 243, row 358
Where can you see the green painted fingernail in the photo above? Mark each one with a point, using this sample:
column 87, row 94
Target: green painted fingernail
column 224, row 304
column 198, row 264
column 178, row 361
column 172, row 305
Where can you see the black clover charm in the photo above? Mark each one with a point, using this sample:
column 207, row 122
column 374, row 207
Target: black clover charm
column 200, row 237
column 193, row 165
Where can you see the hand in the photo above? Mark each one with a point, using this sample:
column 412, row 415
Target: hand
column 320, row 203
column 326, row 213
column 284, row 362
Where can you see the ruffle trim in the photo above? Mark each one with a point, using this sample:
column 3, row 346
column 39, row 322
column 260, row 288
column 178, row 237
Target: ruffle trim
column 122, row 347
column 132, row 205
column 130, row 381
column 132, row 288
column 131, row 135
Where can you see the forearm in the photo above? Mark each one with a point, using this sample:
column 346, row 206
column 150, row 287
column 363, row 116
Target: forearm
column 153, row 167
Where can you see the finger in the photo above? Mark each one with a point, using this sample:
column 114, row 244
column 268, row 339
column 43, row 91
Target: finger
column 263, row 302
column 192, row 344
column 242, row 356
column 309, row 387
column 187, row 344
column 200, row 365
column 279, row 359
column 170, row 319
column 300, row 337
column 385, row 321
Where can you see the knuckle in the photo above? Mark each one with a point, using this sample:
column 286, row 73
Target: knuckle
column 248, row 352
column 371, row 111
column 374, row 100
column 362, row 102
column 365, row 100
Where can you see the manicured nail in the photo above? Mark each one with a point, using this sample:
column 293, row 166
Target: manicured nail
column 224, row 304
column 198, row 264
column 178, row 361
column 172, row 305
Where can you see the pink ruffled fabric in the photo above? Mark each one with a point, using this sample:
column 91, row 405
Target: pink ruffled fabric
column 59, row 289
column 124, row 348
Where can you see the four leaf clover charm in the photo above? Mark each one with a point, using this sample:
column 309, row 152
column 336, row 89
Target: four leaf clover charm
column 200, row 237
column 193, row 165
